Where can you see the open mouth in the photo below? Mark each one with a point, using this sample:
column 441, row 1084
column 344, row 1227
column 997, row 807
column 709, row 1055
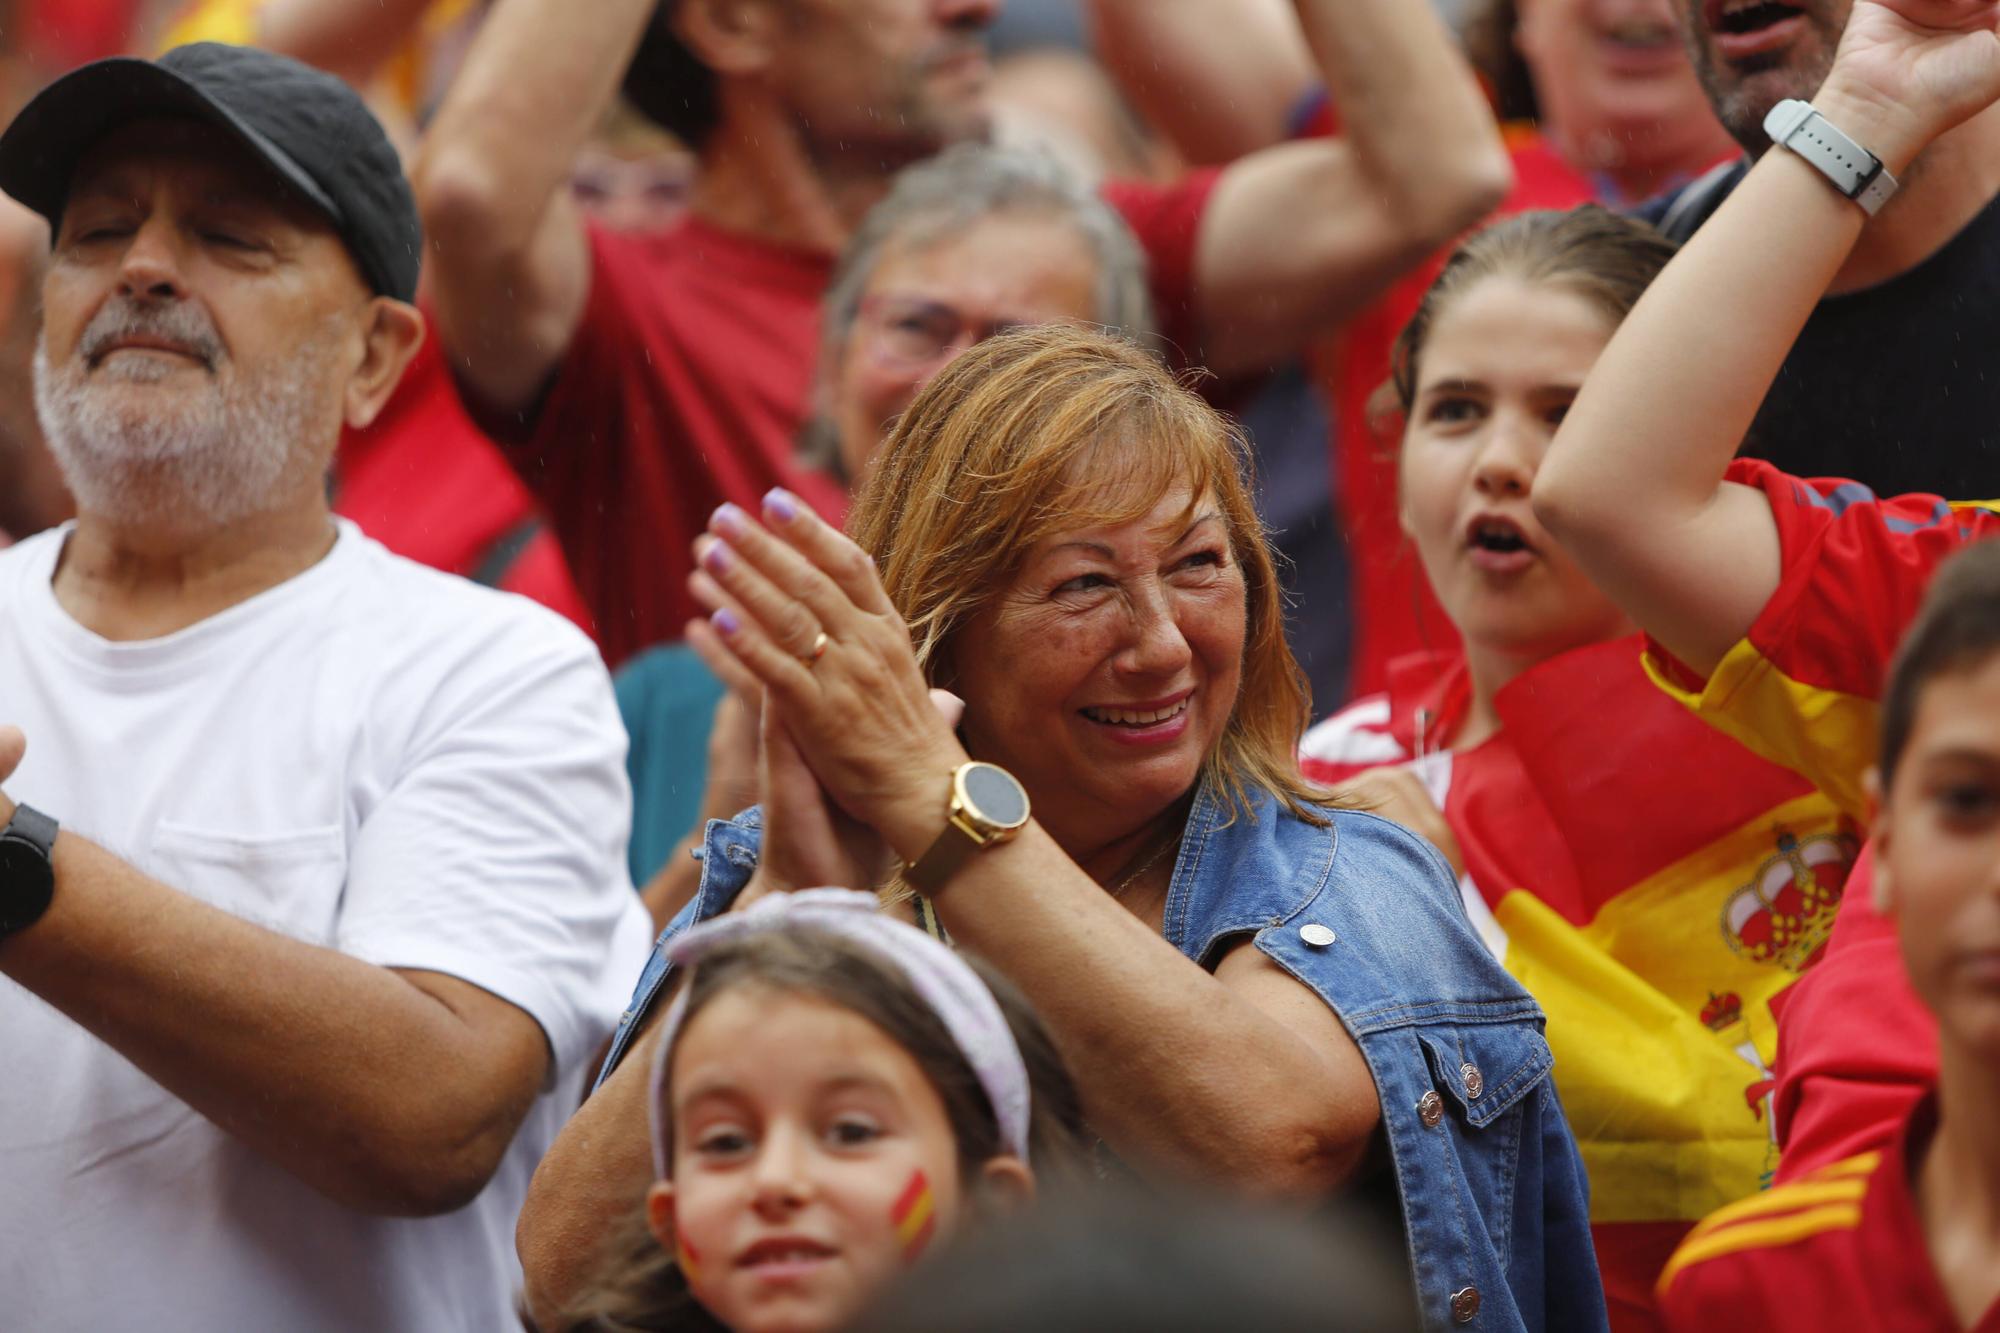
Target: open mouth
column 1136, row 719
column 1741, row 18
column 1499, row 536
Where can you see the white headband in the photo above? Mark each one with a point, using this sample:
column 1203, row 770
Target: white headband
column 940, row 977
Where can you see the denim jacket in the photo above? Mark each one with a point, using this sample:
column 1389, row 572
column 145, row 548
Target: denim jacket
column 1495, row 1204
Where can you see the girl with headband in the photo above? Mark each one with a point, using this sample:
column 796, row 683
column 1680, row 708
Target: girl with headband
column 833, row 1092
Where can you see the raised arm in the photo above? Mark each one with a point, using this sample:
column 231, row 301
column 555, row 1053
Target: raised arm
column 508, row 263
column 1217, row 90
column 1301, row 236
column 1633, row 483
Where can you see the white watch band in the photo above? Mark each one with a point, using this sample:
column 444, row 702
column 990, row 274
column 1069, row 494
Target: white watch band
column 1854, row 171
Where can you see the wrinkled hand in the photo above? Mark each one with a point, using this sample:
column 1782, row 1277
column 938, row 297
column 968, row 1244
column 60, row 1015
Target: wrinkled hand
column 1398, row 794
column 1908, row 70
column 861, row 714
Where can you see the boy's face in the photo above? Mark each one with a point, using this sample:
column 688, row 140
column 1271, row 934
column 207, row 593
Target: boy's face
column 1938, row 838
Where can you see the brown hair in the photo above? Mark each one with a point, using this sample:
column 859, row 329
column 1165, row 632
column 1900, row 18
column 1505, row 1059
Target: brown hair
column 1602, row 257
column 1056, row 427
column 640, row 1288
column 1957, row 630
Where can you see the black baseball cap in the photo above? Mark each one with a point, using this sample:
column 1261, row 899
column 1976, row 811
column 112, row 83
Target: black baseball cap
column 306, row 125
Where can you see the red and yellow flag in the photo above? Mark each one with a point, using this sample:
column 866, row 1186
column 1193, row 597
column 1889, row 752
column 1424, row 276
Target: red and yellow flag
column 1654, row 885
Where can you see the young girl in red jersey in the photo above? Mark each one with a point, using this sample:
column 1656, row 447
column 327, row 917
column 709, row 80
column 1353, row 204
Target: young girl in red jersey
column 1550, row 769
column 1773, row 603
column 1903, row 1238
column 834, row 1093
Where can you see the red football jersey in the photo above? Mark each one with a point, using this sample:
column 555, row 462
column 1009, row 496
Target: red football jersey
column 1841, row 1248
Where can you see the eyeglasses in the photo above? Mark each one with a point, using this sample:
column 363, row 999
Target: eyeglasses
column 914, row 333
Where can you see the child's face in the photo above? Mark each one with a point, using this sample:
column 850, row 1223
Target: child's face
column 1939, row 837
column 812, row 1161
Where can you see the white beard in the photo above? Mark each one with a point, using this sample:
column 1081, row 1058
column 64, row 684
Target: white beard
column 202, row 459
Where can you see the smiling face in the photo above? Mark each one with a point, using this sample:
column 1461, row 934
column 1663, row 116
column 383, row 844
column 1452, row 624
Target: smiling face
column 194, row 320
column 1503, row 361
column 800, row 1129
column 1938, row 852
column 1105, row 671
column 925, row 304
column 1752, row 54
column 1615, row 84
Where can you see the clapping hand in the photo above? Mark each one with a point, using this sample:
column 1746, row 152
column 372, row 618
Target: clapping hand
column 799, row 606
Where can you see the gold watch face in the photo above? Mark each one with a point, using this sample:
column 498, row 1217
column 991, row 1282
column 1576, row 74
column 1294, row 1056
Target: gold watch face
column 992, row 798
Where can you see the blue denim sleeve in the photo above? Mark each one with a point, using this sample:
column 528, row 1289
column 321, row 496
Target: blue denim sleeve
column 1574, row 1294
column 728, row 856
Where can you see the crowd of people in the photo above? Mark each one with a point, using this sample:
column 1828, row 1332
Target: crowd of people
column 798, row 665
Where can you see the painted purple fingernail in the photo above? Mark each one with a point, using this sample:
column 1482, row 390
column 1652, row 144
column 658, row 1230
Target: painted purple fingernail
column 781, row 504
column 729, row 520
column 725, row 622
column 716, row 557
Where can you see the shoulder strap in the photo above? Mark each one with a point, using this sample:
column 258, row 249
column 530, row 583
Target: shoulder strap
column 497, row 560
column 1701, row 197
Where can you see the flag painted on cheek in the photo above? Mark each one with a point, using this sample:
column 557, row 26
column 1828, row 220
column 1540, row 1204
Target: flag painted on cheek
column 690, row 1262
column 915, row 1216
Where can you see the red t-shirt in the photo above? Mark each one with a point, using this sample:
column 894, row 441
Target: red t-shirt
column 1842, row 1248
column 426, row 482
column 686, row 385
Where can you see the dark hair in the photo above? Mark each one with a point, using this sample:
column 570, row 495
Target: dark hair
column 1957, row 629
column 1490, row 46
column 640, row 1288
column 1167, row 1264
column 1607, row 259
column 667, row 83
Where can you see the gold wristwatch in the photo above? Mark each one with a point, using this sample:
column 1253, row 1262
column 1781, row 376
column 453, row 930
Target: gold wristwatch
column 988, row 806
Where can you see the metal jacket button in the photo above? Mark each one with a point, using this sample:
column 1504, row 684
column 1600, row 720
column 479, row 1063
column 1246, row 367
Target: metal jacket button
column 1430, row 1109
column 1475, row 1082
column 1316, row 935
column 1464, row 1305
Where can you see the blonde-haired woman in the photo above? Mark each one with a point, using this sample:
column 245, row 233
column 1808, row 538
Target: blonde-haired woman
column 1255, row 989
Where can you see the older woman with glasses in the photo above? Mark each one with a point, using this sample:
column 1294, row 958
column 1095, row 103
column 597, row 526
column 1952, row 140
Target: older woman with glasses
column 1255, row 989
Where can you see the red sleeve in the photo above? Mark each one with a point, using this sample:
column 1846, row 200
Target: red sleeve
column 1855, row 567
column 1802, row 687
column 1166, row 220
column 585, row 399
column 1856, row 1047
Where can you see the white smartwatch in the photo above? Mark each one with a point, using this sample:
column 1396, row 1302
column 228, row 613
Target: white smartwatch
column 1854, row 171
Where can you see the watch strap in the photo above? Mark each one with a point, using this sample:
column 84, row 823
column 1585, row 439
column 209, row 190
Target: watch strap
column 946, row 854
column 1854, row 171
column 32, row 826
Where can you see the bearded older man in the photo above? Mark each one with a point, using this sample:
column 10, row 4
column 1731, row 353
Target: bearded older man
column 307, row 976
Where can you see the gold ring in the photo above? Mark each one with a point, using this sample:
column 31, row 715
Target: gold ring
column 818, row 650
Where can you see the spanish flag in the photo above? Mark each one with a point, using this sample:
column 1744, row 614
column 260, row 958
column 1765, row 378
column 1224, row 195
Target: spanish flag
column 1654, row 885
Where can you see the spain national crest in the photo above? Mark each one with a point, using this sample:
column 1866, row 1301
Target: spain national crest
column 1784, row 914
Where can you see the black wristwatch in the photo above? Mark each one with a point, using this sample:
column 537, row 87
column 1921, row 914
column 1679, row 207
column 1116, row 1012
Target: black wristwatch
column 27, row 876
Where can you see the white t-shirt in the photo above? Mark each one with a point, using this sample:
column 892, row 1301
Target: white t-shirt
column 374, row 757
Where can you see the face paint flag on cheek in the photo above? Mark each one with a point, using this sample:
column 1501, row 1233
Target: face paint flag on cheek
column 684, row 1255
column 915, row 1216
